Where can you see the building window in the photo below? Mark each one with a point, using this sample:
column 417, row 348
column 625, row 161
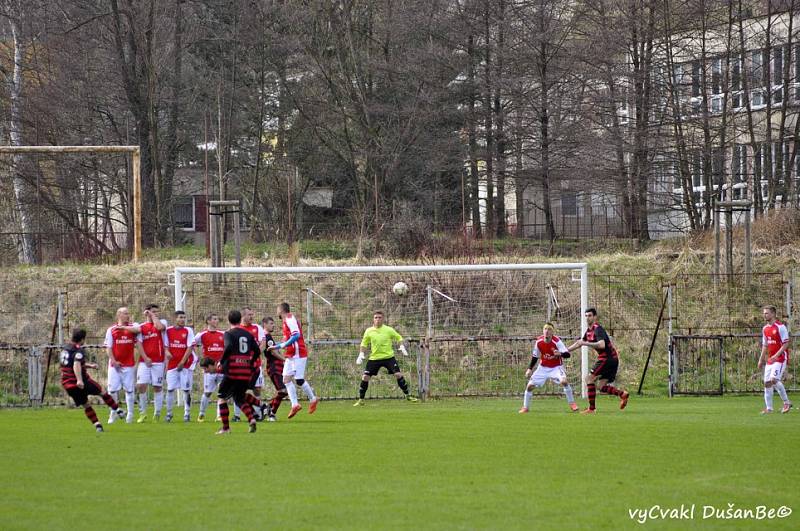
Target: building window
column 757, row 98
column 695, row 79
column 736, row 83
column 797, row 72
column 716, row 76
column 697, row 169
column 777, row 65
column 183, row 212
column 569, row 203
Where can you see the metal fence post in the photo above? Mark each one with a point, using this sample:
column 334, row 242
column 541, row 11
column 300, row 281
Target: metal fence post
column 60, row 318
column 309, row 321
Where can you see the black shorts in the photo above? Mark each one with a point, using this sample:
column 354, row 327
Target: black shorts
column 373, row 366
column 276, row 377
column 254, row 378
column 233, row 389
column 606, row 369
column 81, row 396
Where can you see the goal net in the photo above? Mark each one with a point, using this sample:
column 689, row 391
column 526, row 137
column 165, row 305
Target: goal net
column 469, row 327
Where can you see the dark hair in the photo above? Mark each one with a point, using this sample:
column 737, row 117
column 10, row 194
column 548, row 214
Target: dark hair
column 591, row 311
column 78, row 335
column 234, row 317
column 207, row 362
column 151, row 306
column 284, row 307
column 179, row 312
column 268, row 319
column 209, row 316
column 378, row 312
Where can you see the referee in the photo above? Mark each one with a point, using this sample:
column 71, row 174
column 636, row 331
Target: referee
column 380, row 338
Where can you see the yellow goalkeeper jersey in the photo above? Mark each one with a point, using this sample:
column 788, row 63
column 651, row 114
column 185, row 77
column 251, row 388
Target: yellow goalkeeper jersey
column 380, row 341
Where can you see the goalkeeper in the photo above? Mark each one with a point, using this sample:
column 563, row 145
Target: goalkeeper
column 380, row 338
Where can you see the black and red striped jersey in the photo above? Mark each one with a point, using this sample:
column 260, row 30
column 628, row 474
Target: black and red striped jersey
column 274, row 362
column 241, row 351
column 596, row 333
column 68, row 356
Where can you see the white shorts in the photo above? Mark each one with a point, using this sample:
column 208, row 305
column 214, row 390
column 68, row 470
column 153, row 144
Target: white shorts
column 260, row 378
column 295, row 367
column 179, row 379
column 121, row 378
column 153, row 375
column 542, row 374
column 211, row 381
column 774, row 371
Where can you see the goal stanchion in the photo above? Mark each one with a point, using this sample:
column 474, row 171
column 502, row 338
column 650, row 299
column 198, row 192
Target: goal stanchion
column 476, row 319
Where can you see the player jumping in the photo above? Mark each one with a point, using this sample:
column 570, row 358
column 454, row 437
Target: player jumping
column 77, row 382
column 210, row 342
column 380, row 338
column 605, row 368
column 241, row 350
column 294, row 368
column 775, row 343
column 550, row 349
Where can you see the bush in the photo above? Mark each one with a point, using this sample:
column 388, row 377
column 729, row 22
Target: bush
column 409, row 235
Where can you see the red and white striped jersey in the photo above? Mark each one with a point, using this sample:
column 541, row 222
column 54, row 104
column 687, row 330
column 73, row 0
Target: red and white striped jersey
column 774, row 336
column 546, row 351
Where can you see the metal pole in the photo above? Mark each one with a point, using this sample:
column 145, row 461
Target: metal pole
column 178, row 291
column 669, row 339
column 237, row 238
column 430, row 313
column 584, row 326
column 747, row 249
column 137, row 204
column 549, row 303
column 60, row 318
column 716, row 243
column 309, row 320
column 729, row 243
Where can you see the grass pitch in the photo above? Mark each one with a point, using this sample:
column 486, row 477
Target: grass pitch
column 453, row 464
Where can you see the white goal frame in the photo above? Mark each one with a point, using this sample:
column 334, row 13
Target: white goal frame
column 582, row 267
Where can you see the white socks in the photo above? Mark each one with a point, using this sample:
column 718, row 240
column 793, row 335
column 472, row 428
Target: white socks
column 782, row 392
column 526, row 402
column 768, row 391
column 170, row 401
column 292, row 390
column 187, row 402
column 203, row 404
column 568, row 392
column 308, row 391
column 130, row 400
column 158, row 400
column 142, row 402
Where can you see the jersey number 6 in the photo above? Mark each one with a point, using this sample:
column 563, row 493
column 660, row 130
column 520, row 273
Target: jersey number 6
column 244, row 345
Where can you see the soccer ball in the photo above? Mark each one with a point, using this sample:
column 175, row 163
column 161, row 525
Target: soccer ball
column 400, row 288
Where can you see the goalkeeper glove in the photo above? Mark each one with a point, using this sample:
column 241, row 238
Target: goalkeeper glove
column 402, row 348
column 360, row 358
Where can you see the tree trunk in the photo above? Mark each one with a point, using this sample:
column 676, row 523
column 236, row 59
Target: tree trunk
column 488, row 128
column 500, row 208
column 474, row 195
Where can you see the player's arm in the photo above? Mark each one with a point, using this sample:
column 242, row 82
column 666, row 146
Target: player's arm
column 142, row 356
column 363, row 347
column 577, row 344
column 76, row 368
column 109, row 342
column 256, row 348
column 763, row 357
column 399, row 339
column 534, row 359
column 602, row 339
column 562, row 349
column 159, row 324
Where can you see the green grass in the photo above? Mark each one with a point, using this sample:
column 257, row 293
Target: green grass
column 452, row 464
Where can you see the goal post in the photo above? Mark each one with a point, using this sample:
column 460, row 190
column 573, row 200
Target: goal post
column 135, row 153
column 476, row 320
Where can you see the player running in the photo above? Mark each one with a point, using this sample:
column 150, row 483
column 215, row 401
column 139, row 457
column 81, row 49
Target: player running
column 257, row 380
column 120, row 342
column 551, row 351
column 77, row 382
column 238, row 357
column 294, row 368
column 152, row 342
column 604, row 370
column 775, row 341
column 274, row 369
column 180, row 364
column 210, row 342
column 380, row 338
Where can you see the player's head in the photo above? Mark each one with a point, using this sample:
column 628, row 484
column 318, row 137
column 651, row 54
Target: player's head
column 123, row 315
column 234, row 317
column 283, row 309
column 152, row 309
column 769, row 313
column 180, row 318
column 78, row 335
column 207, row 364
column 268, row 323
column 591, row 316
column 212, row 320
column 247, row 315
column 548, row 330
column 377, row 318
